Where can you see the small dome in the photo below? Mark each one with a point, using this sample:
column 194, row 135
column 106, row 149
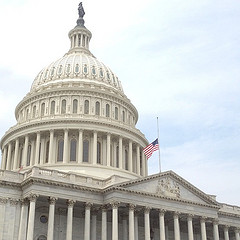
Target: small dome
column 77, row 66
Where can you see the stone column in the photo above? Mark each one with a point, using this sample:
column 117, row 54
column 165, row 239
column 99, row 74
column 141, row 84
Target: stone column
column 87, row 221
column 120, row 155
column 70, row 204
column 52, row 201
column 176, row 226
column 77, row 41
column 24, row 158
column 237, row 237
column 146, row 165
column 104, row 223
column 143, row 164
column 138, row 160
column 80, row 146
column 130, row 161
column 226, row 234
column 31, row 216
column 94, row 225
column 50, row 154
column 147, row 223
column 215, row 230
column 136, row 225
column 108, row 149
column 3, row 163
column 125, row 226
column 15, row 161
column 94, row 147
column 23, row 220
column 190, row 227
column 131, row 221
column 9, row 156
column 115, row 220
column 65, row 147
column 162, row 224
column 38, row 139
column 203, row 228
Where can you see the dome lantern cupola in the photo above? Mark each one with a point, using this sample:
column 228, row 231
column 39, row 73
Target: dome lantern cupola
column 80, row 36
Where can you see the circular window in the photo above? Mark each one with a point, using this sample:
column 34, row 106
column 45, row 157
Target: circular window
column 43, row 219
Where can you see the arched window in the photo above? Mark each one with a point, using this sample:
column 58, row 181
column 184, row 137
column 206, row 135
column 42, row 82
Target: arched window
column 52, row 111
column 123, row 116
column 34, row 111
column 42, row 109
column 116, row 113
column 97, row 108
column 47, row 152
column 98, row 152
column 29, row 155
column 117, row 156
column 75, row 106
column 86, row 107
column 85, row 150
column 60, row 150
column 64, row 106
column 107, row 110
column 73, row 150
column 126, row 159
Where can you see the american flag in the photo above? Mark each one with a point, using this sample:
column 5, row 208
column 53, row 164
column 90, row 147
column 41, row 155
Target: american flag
column 149, row 149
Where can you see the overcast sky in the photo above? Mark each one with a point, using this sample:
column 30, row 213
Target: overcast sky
column 178, row 60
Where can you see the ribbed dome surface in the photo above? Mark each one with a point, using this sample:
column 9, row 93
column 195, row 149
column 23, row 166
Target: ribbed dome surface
column 77, row 66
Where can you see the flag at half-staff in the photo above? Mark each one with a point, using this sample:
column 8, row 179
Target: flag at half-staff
column 149, row 149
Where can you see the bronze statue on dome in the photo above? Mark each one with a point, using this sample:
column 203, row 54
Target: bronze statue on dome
column 81, row 11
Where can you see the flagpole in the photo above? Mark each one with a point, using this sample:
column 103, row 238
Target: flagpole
column 160, row 170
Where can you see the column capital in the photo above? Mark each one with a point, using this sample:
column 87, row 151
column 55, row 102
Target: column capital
column 3, row 200
column 203, row 219
column 66, row 130
column 190, row 216
column 88, row 205
column 147, row 209
column 131, row 206
column 226, row 227
column 176, row 214
column 237, row 230
column 24, row 201
column 215, row 221
column 114, row 204
column 33, row 197
column 13, row 201
column 104, row 207
column 52, row 200
column 70, row 202
column 161, row 211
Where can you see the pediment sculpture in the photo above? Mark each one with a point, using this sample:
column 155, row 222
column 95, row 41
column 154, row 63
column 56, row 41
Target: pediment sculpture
column 168, row 187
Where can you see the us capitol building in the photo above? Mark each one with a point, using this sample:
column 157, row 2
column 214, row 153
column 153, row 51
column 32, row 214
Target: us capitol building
column 73, row 166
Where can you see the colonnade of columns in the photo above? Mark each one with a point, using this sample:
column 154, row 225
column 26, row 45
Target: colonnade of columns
column 130, row 228
column 80, row 40
column 103, row 148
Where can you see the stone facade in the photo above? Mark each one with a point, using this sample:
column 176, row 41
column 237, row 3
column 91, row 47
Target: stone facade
column 73, row 166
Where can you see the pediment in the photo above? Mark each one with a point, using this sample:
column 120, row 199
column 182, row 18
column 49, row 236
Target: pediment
column 169, row 185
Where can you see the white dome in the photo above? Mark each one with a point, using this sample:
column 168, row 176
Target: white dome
column 77, row 66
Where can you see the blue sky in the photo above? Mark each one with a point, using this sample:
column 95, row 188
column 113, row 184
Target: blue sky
column 177, row 60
